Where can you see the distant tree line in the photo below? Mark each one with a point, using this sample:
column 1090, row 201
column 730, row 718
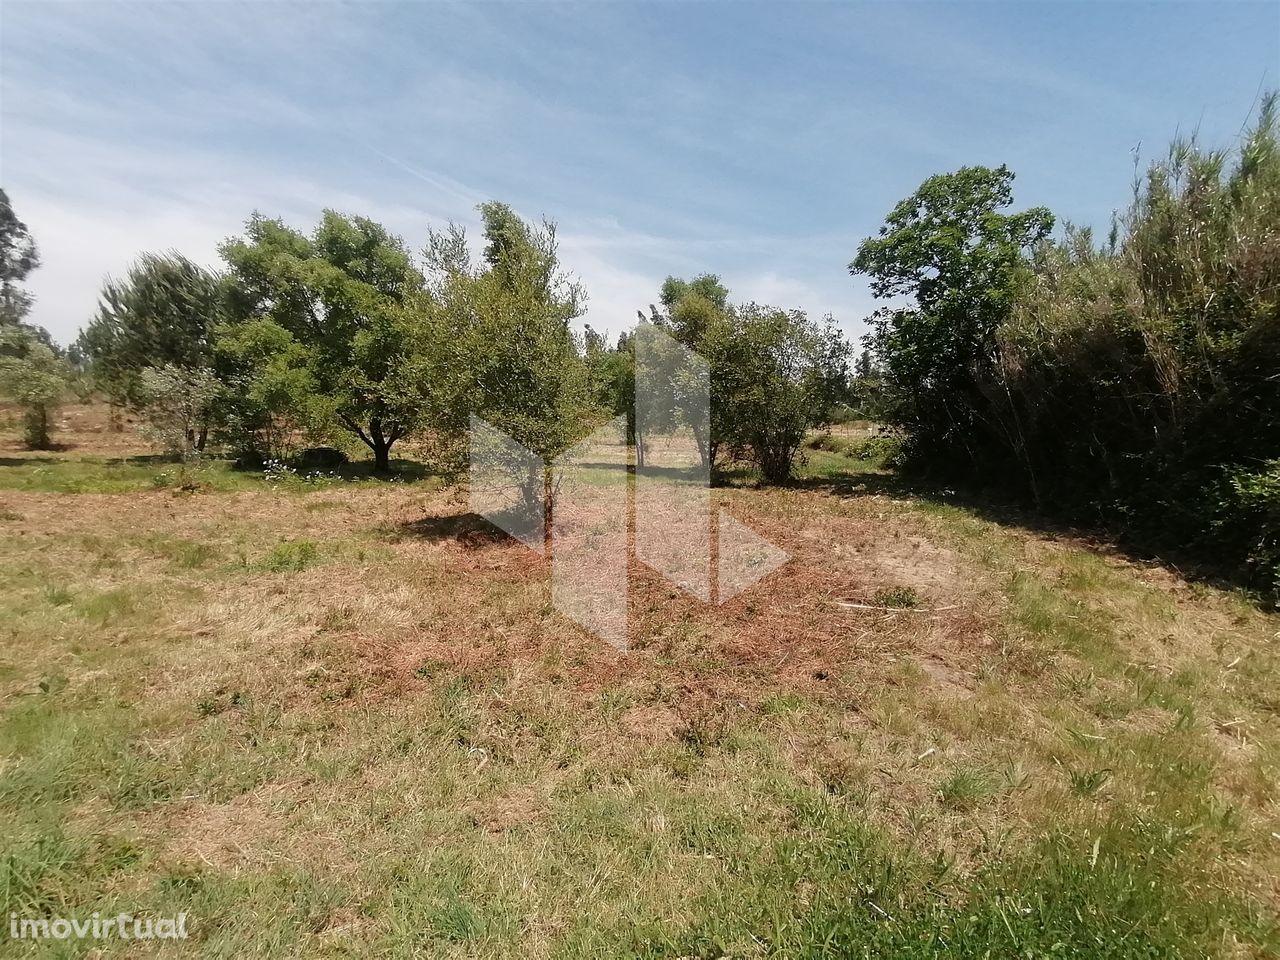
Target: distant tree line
column 306, row 336
column 1134, row 382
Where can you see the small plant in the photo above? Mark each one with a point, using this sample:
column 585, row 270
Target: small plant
column 701, row 734
column 964, row 788
column 277, row 472
column 782, row 703
column 1014, row 776
column 58, row 596
column 280, row 473
column 900, row 598
column 290, row 556
column 1086, row 783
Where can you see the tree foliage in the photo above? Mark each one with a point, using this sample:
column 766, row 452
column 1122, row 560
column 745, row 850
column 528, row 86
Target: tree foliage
column 162, row 314
column 33, row 374
column 331, row 305
column 176, row 403
column 960, row 263
column 494, row 338
column 1133, row 382
column 773, row 374
column 781, row 374
column 18, row 257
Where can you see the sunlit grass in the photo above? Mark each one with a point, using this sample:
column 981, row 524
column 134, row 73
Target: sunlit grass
column 323, row 730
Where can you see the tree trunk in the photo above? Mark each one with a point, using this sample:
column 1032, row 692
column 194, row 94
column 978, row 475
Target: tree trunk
column 380, row 444
column 548, row 499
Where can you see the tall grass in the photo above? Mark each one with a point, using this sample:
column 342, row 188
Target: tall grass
column 1141, row 377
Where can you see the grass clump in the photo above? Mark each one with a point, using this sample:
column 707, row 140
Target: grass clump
column 289, row 556
column 899, row 598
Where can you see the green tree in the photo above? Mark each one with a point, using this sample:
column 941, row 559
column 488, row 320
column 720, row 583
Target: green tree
column 333, row 302
column 33, row 373
column 268, row 390
column 773, row 373
column 18, row 257
column 782, row 374
column 612, row 374
column 33, row 376
column 494, row 339
column 175, row 406
column 163, row 313
column 961, row 264
column 697, row 314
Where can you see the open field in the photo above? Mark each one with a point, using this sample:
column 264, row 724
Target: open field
column 341, row 718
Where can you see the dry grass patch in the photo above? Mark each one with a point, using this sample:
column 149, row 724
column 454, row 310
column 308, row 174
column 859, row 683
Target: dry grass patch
column 389, row 742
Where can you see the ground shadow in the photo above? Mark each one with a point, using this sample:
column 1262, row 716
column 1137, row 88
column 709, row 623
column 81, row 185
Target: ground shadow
column 400, row 471
column 469, row 529
column 27, row 461
column 997, row 506
column 140, row 460
column 403, row 471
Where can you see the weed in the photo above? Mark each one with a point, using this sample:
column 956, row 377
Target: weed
column 964, row 788
column 902, row 598
column 1086, row 783
column 289, row 556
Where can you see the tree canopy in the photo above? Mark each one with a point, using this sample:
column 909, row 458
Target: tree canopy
column 332, row 304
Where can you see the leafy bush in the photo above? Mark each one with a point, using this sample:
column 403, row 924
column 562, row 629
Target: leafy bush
column 885, row 449
column 33, row 376
column 175, row 403
column 823, row 441
column 1131, row 383
column 1251, row 510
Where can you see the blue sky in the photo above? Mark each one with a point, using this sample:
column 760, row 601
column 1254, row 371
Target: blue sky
column 757, row 141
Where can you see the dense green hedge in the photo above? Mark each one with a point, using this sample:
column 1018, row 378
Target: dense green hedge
column 1136, row 383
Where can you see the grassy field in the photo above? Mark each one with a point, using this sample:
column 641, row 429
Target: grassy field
column 341, row 718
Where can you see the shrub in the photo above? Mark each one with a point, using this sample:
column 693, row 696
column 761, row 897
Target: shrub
column 175, row 403
column 884, row 450
column 824, row 441
column 1130, row 383
column 35, row 377
column 1251, row 513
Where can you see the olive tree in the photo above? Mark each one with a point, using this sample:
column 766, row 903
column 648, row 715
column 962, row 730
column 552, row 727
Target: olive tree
column 773, row 374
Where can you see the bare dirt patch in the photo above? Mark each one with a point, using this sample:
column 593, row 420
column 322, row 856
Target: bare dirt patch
column 223, row 836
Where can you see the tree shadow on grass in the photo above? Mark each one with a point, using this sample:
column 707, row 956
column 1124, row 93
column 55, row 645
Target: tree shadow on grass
column 998, row 506
column 140, row 460
column 143, row 460
column 28, row 461
column 469, row 529
column 401, row 471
